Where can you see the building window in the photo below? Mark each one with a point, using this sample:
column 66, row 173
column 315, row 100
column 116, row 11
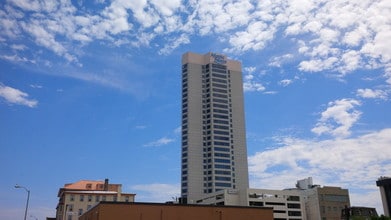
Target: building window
column 81, row 198
column 70, row 207
column 80, row 212
column 252, row 203
column 294, row 213
column 103, row 198
column 89, row 198
column 335, row 198
column 126, row 198
column 222, row 184
column 294, row 205
column 71, row 197
column 97, row 198
column 88, row 207
column 293, row 198
column 115, row 198
column 275, row 203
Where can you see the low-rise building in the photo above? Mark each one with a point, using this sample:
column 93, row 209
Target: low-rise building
column 306, row 201
column 286, row 204
column 323, row 203
column 362, row 213
column 77, row 198
column 165, row 211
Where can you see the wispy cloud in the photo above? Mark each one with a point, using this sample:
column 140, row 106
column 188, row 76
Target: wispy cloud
column 285, row 82
column 141, row 127
column 279, row 60
column 162, row 141
column 156, row 192
column 15, row 96
column 372, row 94
column 35, row 86
column 250, row 82
column 178, row 130
column 338, row 118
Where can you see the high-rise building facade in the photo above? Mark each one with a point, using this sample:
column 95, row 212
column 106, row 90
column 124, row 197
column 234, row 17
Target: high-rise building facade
column 214, row 152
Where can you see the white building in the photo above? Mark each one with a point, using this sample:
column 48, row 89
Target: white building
column 286, row 204
column 214, row 152
column 306, row 201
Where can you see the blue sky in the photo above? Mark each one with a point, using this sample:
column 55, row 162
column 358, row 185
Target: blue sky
column 91, row 90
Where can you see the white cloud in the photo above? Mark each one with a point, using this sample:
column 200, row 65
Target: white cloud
column 372, row 94
column 251, row 86
column 278, row 61
column 19, row 47
column 255, row 37
column 16, row 58
column 167, row 8
column 285, row 82
column 46, row 39
column 250, row 82
column 338, row 118
column 156, row 192
column 36, row 86
column 176, row 42
column 15, row 96
column 250, row 69
column 338, row 36
column 178, row 130
column 336, row 162
column 160, row 142
column 141, row 127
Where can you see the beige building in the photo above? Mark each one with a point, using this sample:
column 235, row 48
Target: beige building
column 323, row 203
column 77, row 198
column 326, row 203
column 214, row 152
column 159, row 211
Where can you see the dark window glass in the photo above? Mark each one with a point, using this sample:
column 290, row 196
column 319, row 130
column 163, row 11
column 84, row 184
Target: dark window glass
column 223, row 184
column 220, row 121
column 221, row 149
column 222, row 172
column 219, row 85
column 294, row 205
column 217, row 160
column 220, row 166
column 223, row 178
column 219, row 90
column 221, row 155
column 294, row 213
column 252, row 203
column 219, row 95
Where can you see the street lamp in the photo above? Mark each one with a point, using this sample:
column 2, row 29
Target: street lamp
column 28, row 197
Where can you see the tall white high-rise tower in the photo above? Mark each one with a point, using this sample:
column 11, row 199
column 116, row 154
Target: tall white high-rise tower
column 214, row 152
